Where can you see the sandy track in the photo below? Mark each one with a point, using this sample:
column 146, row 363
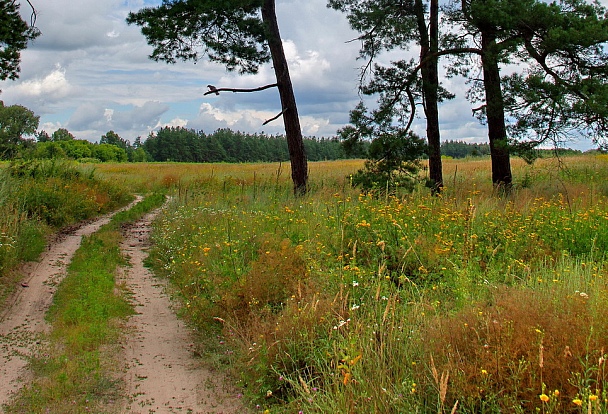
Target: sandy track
column 161, row 374
column 22, row 323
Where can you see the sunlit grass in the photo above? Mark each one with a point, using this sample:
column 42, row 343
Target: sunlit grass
column 343, row 302
column 385, row 278
column 39, row 197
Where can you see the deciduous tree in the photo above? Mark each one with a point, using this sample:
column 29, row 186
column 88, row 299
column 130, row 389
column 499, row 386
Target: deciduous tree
column 62, row 134
column 15, row 122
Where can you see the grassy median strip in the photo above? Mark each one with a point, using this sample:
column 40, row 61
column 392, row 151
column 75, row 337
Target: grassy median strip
column 75, row 371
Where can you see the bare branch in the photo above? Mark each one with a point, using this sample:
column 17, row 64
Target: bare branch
column 34, row 14
column 273, row 118
column 410, row 96
column 218, row 90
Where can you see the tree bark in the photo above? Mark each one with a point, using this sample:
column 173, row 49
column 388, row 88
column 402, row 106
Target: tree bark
column 495, row 113
column 291, row 120
column 429, row 46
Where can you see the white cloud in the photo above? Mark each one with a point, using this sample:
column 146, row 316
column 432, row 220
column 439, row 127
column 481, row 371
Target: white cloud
column 175, row 122
column 50, row 127
column 52, row 87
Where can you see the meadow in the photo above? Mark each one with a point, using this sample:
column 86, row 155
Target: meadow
column 468, row 302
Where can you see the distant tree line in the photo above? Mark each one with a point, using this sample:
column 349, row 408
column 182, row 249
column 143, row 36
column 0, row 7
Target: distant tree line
column 461, row 149
column 19, row 138
column 224, row 145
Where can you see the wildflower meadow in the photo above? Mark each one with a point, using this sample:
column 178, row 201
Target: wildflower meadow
column 338, row 301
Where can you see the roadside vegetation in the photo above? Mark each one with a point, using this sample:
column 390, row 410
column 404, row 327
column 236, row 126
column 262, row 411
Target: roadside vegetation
column 76, row 371
column 347, row 302
column 38, row 198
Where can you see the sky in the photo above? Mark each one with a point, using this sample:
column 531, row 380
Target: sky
column 89, row 72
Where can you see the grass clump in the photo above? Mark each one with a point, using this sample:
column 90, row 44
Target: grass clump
column 506, row 352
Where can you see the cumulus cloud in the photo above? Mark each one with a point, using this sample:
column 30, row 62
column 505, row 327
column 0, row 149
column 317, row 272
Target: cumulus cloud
column 97, row 116
column 68, row 25
column 89, row 72
column 88, row 115
column 49, row 88
column 211, row 118
column 140, row 117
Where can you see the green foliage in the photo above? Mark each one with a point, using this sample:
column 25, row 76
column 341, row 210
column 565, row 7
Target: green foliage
column 228, row 32
column 564, row 92
column 394, row 163
column 60, row 193
column 62, row 134
column 108, row 152
column 113, row 138
column 15, row 34
column 186, row 145
column 393, row 154
column 34, row 197
column 15, row 122
column 78, row 149
column 458, row 149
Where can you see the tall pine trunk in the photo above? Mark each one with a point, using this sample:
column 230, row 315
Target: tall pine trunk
column 429, row 45
column 291, row 120
column 495, row 113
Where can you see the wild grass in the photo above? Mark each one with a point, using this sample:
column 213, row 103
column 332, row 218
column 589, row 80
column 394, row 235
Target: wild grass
column 340, row 302
column 41, row 197
column 76, row 370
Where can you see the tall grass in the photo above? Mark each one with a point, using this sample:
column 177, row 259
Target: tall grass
column 342, row 302
column 40, row 197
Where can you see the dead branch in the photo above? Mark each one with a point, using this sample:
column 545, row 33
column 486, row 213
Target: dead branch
column 217, row 90
column 273, row 118
column 479, row 108
column 33, row 15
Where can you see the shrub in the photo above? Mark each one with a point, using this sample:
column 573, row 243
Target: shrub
column 517, row 345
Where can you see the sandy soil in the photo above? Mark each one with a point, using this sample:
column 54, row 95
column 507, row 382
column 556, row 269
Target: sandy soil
column 161, row 374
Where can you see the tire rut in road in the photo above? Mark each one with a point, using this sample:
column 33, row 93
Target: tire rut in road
column 22, row 323
column 162, row 375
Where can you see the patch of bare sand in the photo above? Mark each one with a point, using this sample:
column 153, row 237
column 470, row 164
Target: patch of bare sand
column 162, row 374
column 22, row 324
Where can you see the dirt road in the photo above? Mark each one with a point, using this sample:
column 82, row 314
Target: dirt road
column 160, row 374
column 22, row 323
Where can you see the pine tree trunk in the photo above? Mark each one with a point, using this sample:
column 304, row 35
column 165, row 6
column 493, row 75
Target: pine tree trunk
column 430, row 84
column 293, row 132
column 495, row 113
